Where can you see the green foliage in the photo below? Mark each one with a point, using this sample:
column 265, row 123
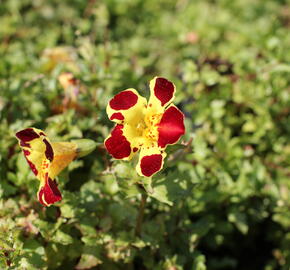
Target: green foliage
column 222, row 199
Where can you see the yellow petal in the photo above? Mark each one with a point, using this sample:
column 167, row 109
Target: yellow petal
column 161, row 94
column 151, row 160
column 37, row 150
column 123, row 142
column 127, row 107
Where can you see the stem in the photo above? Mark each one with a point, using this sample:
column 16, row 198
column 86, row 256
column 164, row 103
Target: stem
column 139, row 221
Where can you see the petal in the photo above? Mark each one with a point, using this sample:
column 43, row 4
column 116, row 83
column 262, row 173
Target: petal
column 36, row 148
column 161, row 93
column 150, row 161
column 27, row 135
column 49, row 193
column 127, row 107
column 124, row 100
column 118, row 145
column 31, row 165
column 171, row 126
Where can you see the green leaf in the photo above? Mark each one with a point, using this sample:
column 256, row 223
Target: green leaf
column 160, row 192
column 34, row 253
column 90, row 258
column 169, row 189
column 62, row 238
column 239, row 219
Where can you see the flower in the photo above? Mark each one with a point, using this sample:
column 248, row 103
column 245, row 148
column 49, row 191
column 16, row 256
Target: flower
column 67, row 79
column 145, row 127
column 47, row 159
column 66, row 56
column 71, row 87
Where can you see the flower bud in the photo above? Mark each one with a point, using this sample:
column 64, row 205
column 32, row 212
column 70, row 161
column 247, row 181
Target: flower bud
column 84, row 146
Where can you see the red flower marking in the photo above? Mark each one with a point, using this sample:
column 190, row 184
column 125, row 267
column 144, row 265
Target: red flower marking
column 41, row 133
column 26, row 152
column 135, row 149
column 40, row 193
column 163, row 90
column 32, row 166
column 117, row 145
column 27, row 135
column 48, row 150
column 151, row 164
column 24, row 144
column 73, row 81
column 50, row 192
column 124, row 100
column 117, row 116
column 171, row 127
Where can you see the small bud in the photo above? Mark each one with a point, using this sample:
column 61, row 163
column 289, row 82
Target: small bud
column 84, row 146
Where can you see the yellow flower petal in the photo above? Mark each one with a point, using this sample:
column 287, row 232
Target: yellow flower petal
column 36, row 148
column 161, row 94
column 127, row 107
column 122, row 142
column 151, row 160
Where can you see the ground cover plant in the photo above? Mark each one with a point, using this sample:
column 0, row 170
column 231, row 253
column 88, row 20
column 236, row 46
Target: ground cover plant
column 221, row 200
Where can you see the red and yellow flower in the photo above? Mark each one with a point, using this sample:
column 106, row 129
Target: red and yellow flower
column 67, row 56
column 72, row 89
column 47, row 159
column 144, row 126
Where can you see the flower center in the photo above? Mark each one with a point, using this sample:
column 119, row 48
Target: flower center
column 150, row 130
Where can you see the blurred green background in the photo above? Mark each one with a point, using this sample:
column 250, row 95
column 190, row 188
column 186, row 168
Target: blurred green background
column 221, row 202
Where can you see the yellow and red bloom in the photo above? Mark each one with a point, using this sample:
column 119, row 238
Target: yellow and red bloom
column 66, row 56
column 144, row 126
column 71, row 87
column 47, row 159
